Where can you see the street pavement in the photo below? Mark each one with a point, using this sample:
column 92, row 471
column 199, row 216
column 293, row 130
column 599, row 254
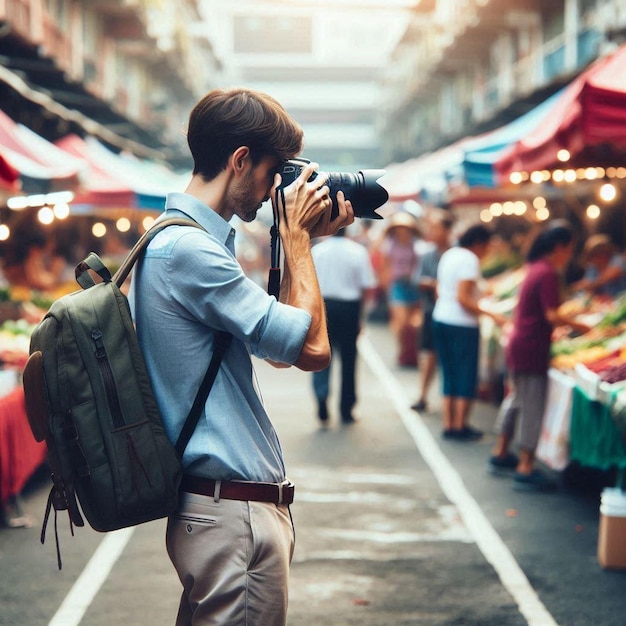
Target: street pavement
column 394, row 526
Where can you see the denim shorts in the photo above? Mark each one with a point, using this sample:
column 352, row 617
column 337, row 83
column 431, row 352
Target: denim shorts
column 403, row 291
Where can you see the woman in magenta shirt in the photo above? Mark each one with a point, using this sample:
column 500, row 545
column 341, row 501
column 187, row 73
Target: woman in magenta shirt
column 528, row 354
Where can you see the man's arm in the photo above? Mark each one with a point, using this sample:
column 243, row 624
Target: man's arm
column 306, row 214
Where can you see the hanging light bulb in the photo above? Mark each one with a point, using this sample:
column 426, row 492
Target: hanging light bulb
column 99, row 229
column 45, row 215
column 608, row 192
column 496, row 209
column 520, row 208
column 563, row 155
column 5, row 232
column 123, row 224
column 61, row 210
column 593, row 211
column 539, row 202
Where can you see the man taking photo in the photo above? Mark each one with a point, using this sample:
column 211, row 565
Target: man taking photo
column 231, row 539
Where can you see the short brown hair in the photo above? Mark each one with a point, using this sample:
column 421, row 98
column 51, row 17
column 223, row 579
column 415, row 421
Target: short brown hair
column 223, row 120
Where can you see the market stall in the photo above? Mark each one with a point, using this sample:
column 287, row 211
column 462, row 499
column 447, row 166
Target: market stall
column 57, row 203
column 20, row 454
column 587, row 379
column 587, row 123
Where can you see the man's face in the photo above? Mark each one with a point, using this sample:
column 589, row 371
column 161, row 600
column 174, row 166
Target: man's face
column 438, row 233
column 253, row 188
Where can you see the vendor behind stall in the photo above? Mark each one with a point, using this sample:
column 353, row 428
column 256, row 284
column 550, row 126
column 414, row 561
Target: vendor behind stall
column 605, row 268
column 34, row 263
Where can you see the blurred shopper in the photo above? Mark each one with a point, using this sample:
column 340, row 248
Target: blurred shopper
column 440, row 225
column 528, row 354
column 399, row 264
column 455, row 329
column 605, row 268
column 346, row 279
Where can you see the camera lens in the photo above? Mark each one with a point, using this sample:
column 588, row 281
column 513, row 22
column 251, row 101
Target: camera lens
column 362, row 189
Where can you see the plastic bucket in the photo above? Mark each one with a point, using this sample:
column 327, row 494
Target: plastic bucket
column 613, row 502
column 612, row 532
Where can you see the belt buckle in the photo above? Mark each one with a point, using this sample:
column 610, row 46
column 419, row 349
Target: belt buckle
column 286, row 483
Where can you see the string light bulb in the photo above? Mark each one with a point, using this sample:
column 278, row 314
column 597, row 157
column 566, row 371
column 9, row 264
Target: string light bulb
column 608, row 192
column 593, row 211
column 563, row 155
column 45, row 215
column 99, row 229
column 123, row 224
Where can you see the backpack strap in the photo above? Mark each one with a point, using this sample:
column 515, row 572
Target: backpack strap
column 124, row 270
column 92, row 262
column 220, row 345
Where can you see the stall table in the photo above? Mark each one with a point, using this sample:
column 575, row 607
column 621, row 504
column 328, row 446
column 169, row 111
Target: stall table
column 20, row 454
column 595, row 439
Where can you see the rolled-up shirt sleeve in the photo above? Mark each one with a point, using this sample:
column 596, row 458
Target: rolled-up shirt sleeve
column 284, row 335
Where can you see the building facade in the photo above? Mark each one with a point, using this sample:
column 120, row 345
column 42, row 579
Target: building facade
column 472, row 65
column 125, row 71
column 321, row 59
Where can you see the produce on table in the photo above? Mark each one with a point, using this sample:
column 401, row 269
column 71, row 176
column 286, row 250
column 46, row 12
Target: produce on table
column 14, row 343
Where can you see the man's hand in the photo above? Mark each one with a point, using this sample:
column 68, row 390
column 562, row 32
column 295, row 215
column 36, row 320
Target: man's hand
column 308, row 205
column 344, row 217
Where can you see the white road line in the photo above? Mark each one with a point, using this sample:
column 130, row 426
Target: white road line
column 88, row 584
column 486, row 537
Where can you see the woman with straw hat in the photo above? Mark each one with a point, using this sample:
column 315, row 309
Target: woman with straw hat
column 399, row 264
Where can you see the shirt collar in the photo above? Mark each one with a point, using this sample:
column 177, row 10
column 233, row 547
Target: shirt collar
column 203, row 214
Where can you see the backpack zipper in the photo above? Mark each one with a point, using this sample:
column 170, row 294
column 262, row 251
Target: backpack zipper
column 109, row 380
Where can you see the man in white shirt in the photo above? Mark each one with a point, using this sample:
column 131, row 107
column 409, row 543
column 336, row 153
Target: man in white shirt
column 346, row 278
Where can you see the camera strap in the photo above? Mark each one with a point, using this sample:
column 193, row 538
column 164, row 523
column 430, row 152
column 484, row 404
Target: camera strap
column 273, row 283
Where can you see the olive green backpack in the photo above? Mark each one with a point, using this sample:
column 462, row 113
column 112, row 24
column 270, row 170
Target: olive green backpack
column 89, row 397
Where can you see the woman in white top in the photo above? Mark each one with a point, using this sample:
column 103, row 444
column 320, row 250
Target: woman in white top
column 455, row 329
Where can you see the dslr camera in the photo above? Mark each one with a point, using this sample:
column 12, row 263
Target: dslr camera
column 362, row 189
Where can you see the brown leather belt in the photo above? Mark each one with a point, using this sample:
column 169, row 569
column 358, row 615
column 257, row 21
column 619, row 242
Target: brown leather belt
column 278, row 493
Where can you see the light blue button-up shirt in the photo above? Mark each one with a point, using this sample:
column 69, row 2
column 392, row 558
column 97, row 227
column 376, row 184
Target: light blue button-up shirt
column 188, row 285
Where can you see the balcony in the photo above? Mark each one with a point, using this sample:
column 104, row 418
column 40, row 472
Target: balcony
column 20, row 14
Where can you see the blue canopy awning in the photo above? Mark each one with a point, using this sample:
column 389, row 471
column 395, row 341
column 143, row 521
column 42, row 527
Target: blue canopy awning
column 482, row 152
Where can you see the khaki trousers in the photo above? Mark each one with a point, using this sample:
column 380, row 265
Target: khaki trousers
column 232, row 558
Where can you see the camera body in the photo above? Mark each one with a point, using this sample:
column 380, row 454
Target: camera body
column 362, row 189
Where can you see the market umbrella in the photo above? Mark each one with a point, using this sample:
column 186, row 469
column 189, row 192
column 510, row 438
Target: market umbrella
column 588, row 120
column 425, row 176
column 149, row 180
column 120, row 180
column 98, row 188
column 40, row 166
column 9, row 176
column 467, row 163
column 482, row 152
